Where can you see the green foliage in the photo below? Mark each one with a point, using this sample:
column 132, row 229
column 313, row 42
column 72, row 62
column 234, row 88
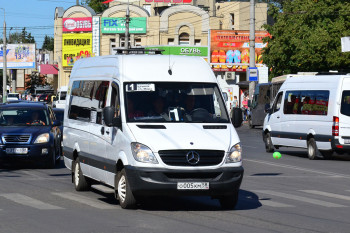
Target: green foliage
column 306, row 36
column 48, row 43
column 96, row 5
column 26, row 37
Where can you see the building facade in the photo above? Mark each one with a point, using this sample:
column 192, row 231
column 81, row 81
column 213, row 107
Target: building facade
column 80, row 32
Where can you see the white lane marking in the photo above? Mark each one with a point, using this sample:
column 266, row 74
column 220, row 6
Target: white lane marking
column 84, row 200
column 297, row 168
column 274, row 203
column 28, row 201
column 299, row 198
column 333, row 195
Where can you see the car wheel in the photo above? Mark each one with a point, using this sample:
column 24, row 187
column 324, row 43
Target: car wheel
column 229, row 202
column 51, row 162
column 80, row 181
column 312, row 151
column 327, row 154
column 123, row 192
column 268, row 143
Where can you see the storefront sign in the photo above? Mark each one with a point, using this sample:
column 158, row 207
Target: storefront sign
column 19, row 56
column 96, row 35
column 77, row 24
column 76, row 46
column 200, row 51
column 117, row 25
column 229, row 46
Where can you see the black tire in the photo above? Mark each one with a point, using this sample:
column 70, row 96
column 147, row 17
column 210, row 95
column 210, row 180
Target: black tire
column 79, row 180
column 58, row 155
column 237, row 117
column 51, row 162
column 327, row 154
column 268, row 143
column 228, row 202
column 312, row 151
column 123, row 192
column 250, row 122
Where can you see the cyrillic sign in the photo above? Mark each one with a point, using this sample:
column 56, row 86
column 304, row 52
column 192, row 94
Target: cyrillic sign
column 137, row 25
column 76, row 46
column 77, row 24
column 200, row 51
column 96, row 35
column 19, row 56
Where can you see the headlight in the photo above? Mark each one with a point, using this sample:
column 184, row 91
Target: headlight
column 235, row 154
column 142, row 153
column 42, row 138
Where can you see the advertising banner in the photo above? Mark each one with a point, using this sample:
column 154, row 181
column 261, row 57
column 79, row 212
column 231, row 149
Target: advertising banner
column 19, row 56
column 232, row 47
column 77, row 24
column 76, row 46
column 199, row 51
column 137, row 25
column 96, row 35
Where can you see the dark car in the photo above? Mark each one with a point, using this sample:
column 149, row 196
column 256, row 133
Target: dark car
column 45, row 98
column 29, row 131
column 59, row 112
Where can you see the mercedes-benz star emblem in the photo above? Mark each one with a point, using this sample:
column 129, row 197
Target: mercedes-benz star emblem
column 192, row 157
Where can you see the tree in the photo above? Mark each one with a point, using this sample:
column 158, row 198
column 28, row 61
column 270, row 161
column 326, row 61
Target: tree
column 306, row 36
column 96, row 5
column 19, row 37
column 48, row 43
column 34, row 80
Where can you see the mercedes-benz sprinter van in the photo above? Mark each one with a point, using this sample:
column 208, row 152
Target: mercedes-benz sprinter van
column 148, row 125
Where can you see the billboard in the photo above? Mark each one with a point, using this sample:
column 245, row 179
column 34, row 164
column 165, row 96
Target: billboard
column 77, row 24
column 232, row 48
column 96, row 35
column 76, row 46
column 200, row 51
column 137, row 25
column 19, row 56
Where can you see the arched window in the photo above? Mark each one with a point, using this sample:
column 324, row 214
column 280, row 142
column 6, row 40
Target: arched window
column 184, row 39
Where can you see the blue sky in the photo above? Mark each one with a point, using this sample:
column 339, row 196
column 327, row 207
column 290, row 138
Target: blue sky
column 36, row 15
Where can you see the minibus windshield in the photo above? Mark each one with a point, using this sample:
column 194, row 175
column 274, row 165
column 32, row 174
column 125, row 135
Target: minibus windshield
column 174, row 102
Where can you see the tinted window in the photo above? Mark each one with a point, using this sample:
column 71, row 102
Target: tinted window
column 80, row 106
column 99, row 99
column 306, row 102
column 63, row 95
column 24, row 116
column 277, row 104
column 345, row 103
column 115, row 98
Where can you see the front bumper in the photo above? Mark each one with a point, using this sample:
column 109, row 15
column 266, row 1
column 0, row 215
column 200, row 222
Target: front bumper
column 34, row 152
column 152, row 181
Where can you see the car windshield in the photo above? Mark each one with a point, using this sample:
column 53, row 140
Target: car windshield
column 23, row 116
column 174, row 102
column 13, row 95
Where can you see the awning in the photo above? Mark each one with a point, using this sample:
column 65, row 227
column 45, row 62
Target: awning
column 48, row 69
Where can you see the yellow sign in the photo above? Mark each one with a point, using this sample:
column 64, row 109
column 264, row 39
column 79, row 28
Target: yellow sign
column 76, row 46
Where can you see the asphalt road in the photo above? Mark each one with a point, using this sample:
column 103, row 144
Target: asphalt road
column 292, row 194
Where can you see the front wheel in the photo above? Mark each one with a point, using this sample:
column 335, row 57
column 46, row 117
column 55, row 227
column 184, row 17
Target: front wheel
column 80, row 181
column 123, row 191
column 312, row 151
column 268, row 143
column 229, row 202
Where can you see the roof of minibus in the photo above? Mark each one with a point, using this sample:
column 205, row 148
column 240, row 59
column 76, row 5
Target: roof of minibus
column 145, row 68
column 315, row 78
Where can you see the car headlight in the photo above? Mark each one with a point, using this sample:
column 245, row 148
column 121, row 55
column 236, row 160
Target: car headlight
column 142, row 153
column 235, row 154
column 42, row 138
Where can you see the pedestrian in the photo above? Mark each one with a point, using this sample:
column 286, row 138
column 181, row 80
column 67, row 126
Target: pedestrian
column 235, row 102
column 245, row 108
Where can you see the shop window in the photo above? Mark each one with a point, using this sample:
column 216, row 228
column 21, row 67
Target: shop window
column 197, row 42
column 171, row 41
column 184, row 39
column 122, row 42
column 112, row 44
column 138, row 42
column 232, row 20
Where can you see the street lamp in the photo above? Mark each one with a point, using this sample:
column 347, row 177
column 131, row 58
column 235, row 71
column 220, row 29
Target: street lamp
column 4, row 70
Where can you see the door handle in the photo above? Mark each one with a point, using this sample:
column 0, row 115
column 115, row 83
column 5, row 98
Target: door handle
column 103, row 130
column 278, row 117
column 107, row 132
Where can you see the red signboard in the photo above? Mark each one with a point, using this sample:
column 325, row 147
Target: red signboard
column 77, row 24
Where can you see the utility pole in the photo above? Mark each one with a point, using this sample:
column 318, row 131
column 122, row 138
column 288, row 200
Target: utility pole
column 127, row 21
column 252, row 44
column 4, row 70
column 77, row 2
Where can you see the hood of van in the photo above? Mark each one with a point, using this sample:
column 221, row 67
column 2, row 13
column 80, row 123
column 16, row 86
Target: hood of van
column 184, row 136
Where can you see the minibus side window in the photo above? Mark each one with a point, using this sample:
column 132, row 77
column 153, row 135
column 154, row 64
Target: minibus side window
column 277, row 105
column 345, row 103
column 99, row 99
column 115, row 98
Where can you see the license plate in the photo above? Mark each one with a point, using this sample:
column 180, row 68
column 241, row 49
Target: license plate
column 192, row 185
column 347, row 141
column 20, row 151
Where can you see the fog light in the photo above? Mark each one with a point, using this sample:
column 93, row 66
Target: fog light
column 44, row 151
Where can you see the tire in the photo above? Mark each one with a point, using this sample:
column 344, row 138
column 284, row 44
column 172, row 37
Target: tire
column 250, row 122
column 51, row 162
column 228, row 202
column 312, row 151
column 58, row 155
column 123, row 192
column 268, row 143
column 327, row 154
column 79, row 180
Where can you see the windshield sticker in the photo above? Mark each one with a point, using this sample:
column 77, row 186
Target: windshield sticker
column 140, row 87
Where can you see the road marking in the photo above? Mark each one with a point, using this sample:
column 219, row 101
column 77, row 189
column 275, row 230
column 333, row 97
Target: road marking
column 274, row 203
column 28, row 201
column 300, row 198
column 85, row 200
column 333, row 195
column 298, row 168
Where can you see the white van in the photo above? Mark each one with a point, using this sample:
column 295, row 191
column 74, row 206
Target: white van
column 13, row 96
column 60, row 99
column 312, row 112
column 148, row 125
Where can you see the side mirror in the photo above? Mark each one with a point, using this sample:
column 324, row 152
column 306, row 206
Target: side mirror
column 57, row 123
column 267, row 108
column 237, row 117
column 54, row 99
column 111, row 118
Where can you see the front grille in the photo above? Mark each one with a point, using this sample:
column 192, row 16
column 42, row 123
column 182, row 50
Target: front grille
column 178, row 157
column 24, row 138
column 193, row 175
